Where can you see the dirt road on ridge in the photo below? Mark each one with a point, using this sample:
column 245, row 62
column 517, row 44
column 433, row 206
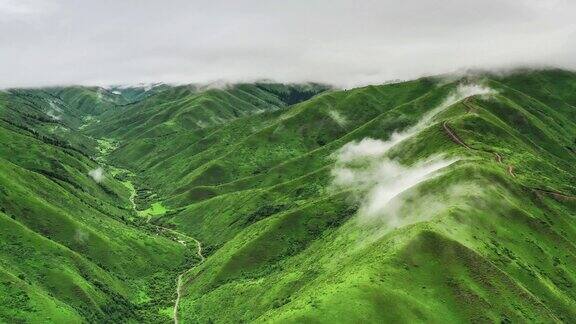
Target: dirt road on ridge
column 510, row 168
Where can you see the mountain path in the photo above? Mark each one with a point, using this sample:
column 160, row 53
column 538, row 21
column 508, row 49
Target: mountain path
column 498, row 158
column 511, row 171
column 179, row 236
column 510, row 168
column 554, row 193
column 453, row 135
column 179, row 281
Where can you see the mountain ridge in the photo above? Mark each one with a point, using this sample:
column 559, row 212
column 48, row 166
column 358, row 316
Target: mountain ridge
column 477, row 240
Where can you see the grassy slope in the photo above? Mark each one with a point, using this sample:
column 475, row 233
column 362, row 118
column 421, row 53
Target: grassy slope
column 288, row 249
column 249, row 177
column 73, row 249
column 162, row 134
column 67, row 242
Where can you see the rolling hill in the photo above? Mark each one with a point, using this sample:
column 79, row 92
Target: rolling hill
column 441, row 199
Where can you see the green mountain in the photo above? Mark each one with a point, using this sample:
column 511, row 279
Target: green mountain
column 442, row 199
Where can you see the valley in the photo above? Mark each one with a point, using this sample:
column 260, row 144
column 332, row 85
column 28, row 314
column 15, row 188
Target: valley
column 440, row 199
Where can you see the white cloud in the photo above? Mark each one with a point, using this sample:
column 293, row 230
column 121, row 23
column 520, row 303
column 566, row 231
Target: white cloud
column 369, row 147
column 338, row 118
column 54, row 111
column 52, row 114
column 341, row 42
column 81, row 236
column 97, row 174
column 22, row 9
column 378, row 182
column 468, row 90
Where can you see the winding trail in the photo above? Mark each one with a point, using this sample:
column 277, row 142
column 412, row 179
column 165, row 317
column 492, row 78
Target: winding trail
column 498, row 158
column 453, row 135
column 180, row 238
column 511, row 171
column 184, row 240
column 556, row 194
column 510, row 168
column 179, row 281
column 132, row 196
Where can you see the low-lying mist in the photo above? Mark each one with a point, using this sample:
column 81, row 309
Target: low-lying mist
column 97, row 174
column 382, row 186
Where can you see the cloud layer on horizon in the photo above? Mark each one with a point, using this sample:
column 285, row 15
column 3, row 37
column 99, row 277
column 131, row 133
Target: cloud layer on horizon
column 341, row 42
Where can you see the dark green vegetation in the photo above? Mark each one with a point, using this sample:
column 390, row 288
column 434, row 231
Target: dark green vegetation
column 246, row 170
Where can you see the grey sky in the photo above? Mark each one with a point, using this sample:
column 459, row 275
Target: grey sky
column 342, row 42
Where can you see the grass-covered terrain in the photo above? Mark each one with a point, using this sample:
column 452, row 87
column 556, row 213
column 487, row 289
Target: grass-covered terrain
column 443, row 199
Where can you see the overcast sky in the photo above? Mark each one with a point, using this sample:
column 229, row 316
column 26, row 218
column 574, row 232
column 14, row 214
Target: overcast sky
column 341, row 42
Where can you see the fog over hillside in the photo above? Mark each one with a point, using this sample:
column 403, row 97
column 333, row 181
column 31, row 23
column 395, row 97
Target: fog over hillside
column 342, row 42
